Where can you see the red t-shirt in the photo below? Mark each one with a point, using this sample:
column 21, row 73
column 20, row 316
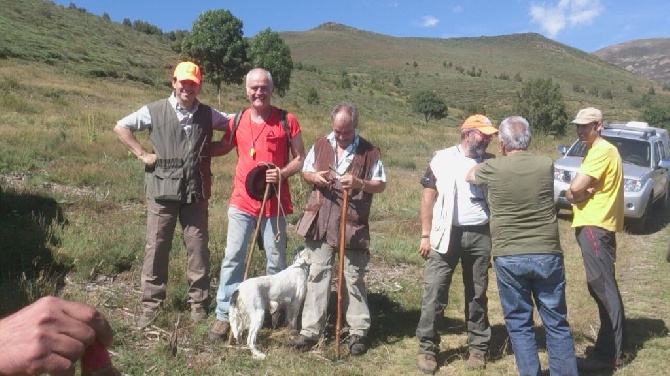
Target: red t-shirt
column 271, row 146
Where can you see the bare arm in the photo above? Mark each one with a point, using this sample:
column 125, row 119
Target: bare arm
column 580, row 188
column 470, row 176
column 219, row 148
column 294, row 166
column 49, row 336
column 427, row 201
column 130, row 141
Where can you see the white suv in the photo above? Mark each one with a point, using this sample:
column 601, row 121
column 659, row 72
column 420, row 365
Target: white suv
column 645, row 152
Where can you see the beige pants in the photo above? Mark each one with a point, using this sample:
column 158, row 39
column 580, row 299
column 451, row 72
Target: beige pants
column 162, row 219
column 354, row 299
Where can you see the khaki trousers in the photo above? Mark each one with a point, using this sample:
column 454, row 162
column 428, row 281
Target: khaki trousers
column 162, row 219
column 354, row 300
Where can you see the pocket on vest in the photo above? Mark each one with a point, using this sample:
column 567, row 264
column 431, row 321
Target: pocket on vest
column 165, row 184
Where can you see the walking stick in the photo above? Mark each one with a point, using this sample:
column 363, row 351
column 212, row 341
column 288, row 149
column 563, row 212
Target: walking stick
column 340, row 272
column 258, row 226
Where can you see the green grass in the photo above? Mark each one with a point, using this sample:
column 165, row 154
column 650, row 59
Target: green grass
column 72, row 214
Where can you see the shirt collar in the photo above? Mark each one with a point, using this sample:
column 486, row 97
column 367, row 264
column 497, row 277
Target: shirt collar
column 175, row 104
column 352, row 146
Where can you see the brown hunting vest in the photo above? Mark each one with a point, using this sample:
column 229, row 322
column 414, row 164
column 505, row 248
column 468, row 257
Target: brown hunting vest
column 183, row 165
column 321, row 220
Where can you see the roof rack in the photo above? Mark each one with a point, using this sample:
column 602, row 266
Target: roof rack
column 633, row 126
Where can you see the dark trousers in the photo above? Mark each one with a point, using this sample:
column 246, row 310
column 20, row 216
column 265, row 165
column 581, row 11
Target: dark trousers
column 472, row 246
column 599, row 253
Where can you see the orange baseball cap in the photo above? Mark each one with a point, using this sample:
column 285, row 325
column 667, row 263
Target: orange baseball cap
column 187, row 71
column 481, row 122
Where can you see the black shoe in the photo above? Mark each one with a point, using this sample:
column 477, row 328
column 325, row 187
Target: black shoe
column 357, row 345
column 301, row 343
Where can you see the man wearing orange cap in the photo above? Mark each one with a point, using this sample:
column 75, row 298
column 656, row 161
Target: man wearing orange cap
column 177, row 185
column 455, row 227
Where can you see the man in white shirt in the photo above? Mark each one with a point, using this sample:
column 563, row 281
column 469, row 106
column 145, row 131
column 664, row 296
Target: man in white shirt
column 454, row 227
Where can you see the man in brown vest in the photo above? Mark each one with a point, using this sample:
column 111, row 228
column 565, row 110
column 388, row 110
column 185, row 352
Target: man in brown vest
column 341, row 160
column 177, row 185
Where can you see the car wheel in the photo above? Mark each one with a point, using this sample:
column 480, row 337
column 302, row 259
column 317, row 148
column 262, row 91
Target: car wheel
column 639, row 225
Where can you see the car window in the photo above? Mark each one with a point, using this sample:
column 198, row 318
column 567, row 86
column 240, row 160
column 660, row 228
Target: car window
column 661, row 151
column 632, row 151
column 657, row 156
column 578, row 149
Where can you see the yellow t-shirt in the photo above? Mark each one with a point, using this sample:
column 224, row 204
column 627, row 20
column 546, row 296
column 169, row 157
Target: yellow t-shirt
column 605, row 208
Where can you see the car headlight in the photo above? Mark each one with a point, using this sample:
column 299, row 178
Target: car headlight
column 562, row 175
column 632, row 185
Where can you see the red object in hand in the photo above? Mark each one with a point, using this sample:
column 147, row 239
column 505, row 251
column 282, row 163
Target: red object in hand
column 96, row 362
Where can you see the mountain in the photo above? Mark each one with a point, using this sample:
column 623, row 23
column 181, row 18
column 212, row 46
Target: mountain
column 375, row 71
column 647, row 57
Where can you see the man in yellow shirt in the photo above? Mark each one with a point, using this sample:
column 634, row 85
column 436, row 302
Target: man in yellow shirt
column 597, row 197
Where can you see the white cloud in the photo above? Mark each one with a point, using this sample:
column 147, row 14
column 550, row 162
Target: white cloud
column 457, row 9
column 393, row 4
column 429, row 21
column 554, row 18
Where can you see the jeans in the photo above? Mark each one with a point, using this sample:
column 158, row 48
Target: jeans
column 472, row 246
column 241, row 225
column 523, row 279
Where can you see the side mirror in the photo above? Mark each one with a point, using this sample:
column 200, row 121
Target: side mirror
column 664, row 163
column 564, row 149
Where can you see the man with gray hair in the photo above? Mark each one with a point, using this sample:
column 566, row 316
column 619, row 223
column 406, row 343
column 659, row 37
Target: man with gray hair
column 341, row 160
column 527, row 255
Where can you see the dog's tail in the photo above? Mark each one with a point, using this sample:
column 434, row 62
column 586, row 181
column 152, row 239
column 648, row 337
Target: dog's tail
column 233, row 298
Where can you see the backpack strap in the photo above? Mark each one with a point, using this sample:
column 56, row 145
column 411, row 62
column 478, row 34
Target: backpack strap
column 282, row 119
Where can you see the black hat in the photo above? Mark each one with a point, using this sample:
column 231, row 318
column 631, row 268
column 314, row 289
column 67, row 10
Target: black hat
column 255, row 183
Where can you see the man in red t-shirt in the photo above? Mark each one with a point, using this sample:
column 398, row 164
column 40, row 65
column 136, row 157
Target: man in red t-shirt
column 260, row 139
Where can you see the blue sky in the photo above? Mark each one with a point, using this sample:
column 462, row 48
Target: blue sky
column 585, row 24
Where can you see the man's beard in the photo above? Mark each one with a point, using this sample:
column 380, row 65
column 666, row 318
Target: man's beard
column 477, row 150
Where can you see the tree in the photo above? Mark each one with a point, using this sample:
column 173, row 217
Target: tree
column 268, row 51
column 541, row 102
column 656, row 116
column 216, row 43
column 429, row 104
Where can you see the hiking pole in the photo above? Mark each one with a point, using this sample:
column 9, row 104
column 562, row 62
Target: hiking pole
column 340, row 272
column 258, row 226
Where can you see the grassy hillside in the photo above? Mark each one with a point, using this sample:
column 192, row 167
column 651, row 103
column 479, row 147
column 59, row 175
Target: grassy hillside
column 72, row 212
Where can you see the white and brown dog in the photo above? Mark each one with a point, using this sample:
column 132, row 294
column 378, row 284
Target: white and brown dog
column 252, row 297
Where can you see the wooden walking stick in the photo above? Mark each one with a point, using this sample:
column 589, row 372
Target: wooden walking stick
column 258, row 226
column 340, row 272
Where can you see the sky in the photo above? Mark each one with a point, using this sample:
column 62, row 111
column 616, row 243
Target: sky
column 588, row 25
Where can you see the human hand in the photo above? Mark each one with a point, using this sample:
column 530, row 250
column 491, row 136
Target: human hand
column 148, row 159
column 349, row 181
column 322, row 179
column 49, row 336
column 272, row 175
column 424, row 248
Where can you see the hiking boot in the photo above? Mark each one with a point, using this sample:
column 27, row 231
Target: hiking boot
column 476, row 361
column 301, row 343
column 357, row 345
column 198, row 314
column 594, row 365
column 426, row 363
column 219, row 331
column 146, row 318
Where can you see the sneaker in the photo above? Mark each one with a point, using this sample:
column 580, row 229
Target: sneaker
column 357, row 345
column 301, row 343
column 427, row 363
column 219, row 331
column 593, row 365
column 146, row 318
column 198, row 314
column 476, row 361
